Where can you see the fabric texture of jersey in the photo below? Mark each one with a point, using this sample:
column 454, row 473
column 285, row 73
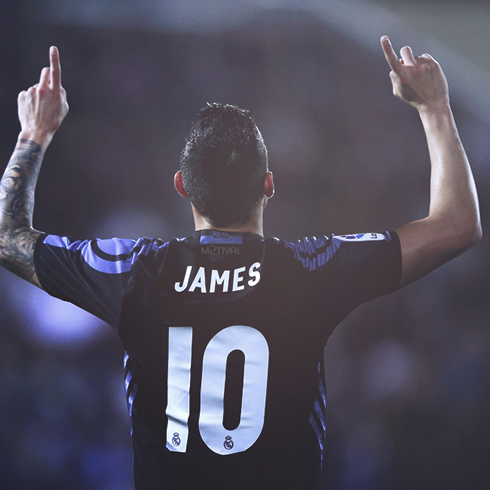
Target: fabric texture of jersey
column 224, row 334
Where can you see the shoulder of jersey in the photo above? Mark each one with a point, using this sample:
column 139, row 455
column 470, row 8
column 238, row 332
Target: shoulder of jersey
column 360, row 237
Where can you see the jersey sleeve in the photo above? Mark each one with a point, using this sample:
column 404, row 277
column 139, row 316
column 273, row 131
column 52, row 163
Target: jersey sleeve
column 342, row 272
column 92, row 274
column 366, row 265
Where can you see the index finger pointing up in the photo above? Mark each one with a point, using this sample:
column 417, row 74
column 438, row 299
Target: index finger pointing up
column 390, row 54
column 55, row 67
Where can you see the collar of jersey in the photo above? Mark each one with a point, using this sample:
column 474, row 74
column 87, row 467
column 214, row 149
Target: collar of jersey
column 219, row 237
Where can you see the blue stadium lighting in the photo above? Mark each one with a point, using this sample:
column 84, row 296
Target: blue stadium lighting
column 53, row 322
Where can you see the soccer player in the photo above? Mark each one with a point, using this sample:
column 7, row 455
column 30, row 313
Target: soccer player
column 225, row 330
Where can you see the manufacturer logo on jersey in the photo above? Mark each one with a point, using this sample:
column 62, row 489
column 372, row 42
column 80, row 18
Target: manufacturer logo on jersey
column 221, row 234
column 176, row 439
column 361, row 237
column 221, row 238
column 228, row 444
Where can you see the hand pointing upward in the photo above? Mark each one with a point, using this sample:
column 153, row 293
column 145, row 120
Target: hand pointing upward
column 43, row 106
column 417, row 80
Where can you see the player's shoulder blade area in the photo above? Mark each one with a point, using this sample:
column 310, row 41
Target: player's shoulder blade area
column 217, row 333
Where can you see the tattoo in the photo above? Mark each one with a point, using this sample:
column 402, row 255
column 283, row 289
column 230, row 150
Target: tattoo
column 17, row 237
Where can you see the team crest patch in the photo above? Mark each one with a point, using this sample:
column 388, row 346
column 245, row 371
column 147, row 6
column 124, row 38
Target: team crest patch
column 361, row 237
column 228, row 444
column 176, row 439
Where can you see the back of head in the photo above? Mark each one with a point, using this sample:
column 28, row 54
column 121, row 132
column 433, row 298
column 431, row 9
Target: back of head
column 224, row 164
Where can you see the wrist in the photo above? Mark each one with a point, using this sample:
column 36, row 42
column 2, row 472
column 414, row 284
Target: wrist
column 42, row 138
column 436, row 116
column 442, row 109
column 439, row 122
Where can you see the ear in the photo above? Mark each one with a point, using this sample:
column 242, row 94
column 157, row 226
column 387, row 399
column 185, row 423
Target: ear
column 179, row 185
column 268, row 185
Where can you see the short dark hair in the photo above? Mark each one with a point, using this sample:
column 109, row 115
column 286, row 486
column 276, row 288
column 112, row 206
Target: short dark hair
column 224, row 163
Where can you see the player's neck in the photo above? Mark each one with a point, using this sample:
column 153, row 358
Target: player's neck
column 255, row 225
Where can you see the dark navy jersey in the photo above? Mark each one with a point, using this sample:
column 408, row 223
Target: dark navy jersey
column 224, row 334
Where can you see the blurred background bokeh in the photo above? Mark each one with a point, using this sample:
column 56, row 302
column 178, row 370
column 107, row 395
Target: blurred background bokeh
column 408, row 375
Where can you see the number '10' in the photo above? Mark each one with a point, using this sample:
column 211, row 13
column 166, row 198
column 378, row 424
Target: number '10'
column 220, row 440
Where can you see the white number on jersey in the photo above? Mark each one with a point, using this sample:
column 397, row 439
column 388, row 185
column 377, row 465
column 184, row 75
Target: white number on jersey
column 220, row 440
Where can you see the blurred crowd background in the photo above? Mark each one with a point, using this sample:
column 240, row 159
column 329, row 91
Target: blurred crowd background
column 408, row 375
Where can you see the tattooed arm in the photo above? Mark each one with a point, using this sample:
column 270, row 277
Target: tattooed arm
column 17, row 238
column 42, row 109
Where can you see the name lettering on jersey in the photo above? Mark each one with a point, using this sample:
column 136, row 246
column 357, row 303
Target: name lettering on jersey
column 205, row 281
column 361, row 237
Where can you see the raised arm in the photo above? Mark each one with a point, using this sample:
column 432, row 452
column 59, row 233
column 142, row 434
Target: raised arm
column 453, row 222
column 42, row 108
